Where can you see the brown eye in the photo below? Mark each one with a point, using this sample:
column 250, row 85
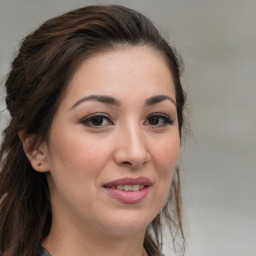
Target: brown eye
column 97, row 121
column 158, row 120
column 153, row 120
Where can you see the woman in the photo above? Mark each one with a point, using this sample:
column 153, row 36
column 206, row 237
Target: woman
column 89, row 157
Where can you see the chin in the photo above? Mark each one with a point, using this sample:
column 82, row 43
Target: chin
column 128, row 223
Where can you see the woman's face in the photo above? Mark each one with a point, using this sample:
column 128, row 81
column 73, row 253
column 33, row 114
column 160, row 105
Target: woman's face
column 114, row 142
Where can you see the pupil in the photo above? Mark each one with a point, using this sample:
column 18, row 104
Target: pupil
column 97, row 121
column 154, row 120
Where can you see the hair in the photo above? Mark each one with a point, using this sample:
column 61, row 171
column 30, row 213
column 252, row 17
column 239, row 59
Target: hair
column 39, row 75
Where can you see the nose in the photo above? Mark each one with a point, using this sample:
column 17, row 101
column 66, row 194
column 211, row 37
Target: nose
column 131, row 149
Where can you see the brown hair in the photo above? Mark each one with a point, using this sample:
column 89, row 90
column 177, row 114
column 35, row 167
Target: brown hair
column 40, row 73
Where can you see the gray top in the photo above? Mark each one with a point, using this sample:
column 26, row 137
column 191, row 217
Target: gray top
column 43, row 252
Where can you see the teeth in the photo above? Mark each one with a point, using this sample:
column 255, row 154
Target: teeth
column 136, row 187
column 127, row 187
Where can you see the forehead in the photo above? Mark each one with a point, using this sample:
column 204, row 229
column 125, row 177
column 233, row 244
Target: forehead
column 137, row 69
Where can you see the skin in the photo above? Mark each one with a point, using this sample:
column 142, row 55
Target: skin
column 80, row 157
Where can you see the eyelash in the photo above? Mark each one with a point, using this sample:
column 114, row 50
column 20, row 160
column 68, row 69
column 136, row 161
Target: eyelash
column 165, row 119
column 88, row 121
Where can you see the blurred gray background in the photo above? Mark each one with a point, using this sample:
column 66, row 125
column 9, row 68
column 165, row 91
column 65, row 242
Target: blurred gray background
column 217, row 41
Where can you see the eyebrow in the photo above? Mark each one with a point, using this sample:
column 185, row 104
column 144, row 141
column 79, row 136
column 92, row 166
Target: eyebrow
column 157, row 99
column 110, row 100
column 99, row 98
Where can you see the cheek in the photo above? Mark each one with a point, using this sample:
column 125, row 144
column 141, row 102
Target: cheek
column 166, row 155
column 76, row 164
column 78, row 153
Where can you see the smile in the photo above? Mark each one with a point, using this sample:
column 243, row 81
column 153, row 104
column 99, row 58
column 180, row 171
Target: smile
column 129, row 183
column 129, row 190
column 136, row 187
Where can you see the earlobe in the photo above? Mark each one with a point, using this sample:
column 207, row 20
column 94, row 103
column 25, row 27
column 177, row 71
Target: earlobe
column 35, row 152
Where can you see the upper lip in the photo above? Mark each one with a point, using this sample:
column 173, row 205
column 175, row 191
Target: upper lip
column 129, row 181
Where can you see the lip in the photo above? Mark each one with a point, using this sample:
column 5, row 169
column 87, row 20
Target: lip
column 128, row 196
column 129, row 181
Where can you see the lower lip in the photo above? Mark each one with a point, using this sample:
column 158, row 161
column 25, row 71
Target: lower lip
column 128, row 196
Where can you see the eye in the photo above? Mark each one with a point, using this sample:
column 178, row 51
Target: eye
column 96, row 120
column 158, row 120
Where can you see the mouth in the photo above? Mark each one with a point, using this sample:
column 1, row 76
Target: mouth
column 136, row 187
column 129, row 190
column 129, row 184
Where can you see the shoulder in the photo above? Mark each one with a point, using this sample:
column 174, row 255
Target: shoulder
column 43, row 252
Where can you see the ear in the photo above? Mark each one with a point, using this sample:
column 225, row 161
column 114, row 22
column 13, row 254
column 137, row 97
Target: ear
column 36, row 153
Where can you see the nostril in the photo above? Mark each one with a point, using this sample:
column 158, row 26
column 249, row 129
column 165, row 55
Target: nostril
column 127, row 163
column 133, row 165
column 131, row 159
column 130, row 164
